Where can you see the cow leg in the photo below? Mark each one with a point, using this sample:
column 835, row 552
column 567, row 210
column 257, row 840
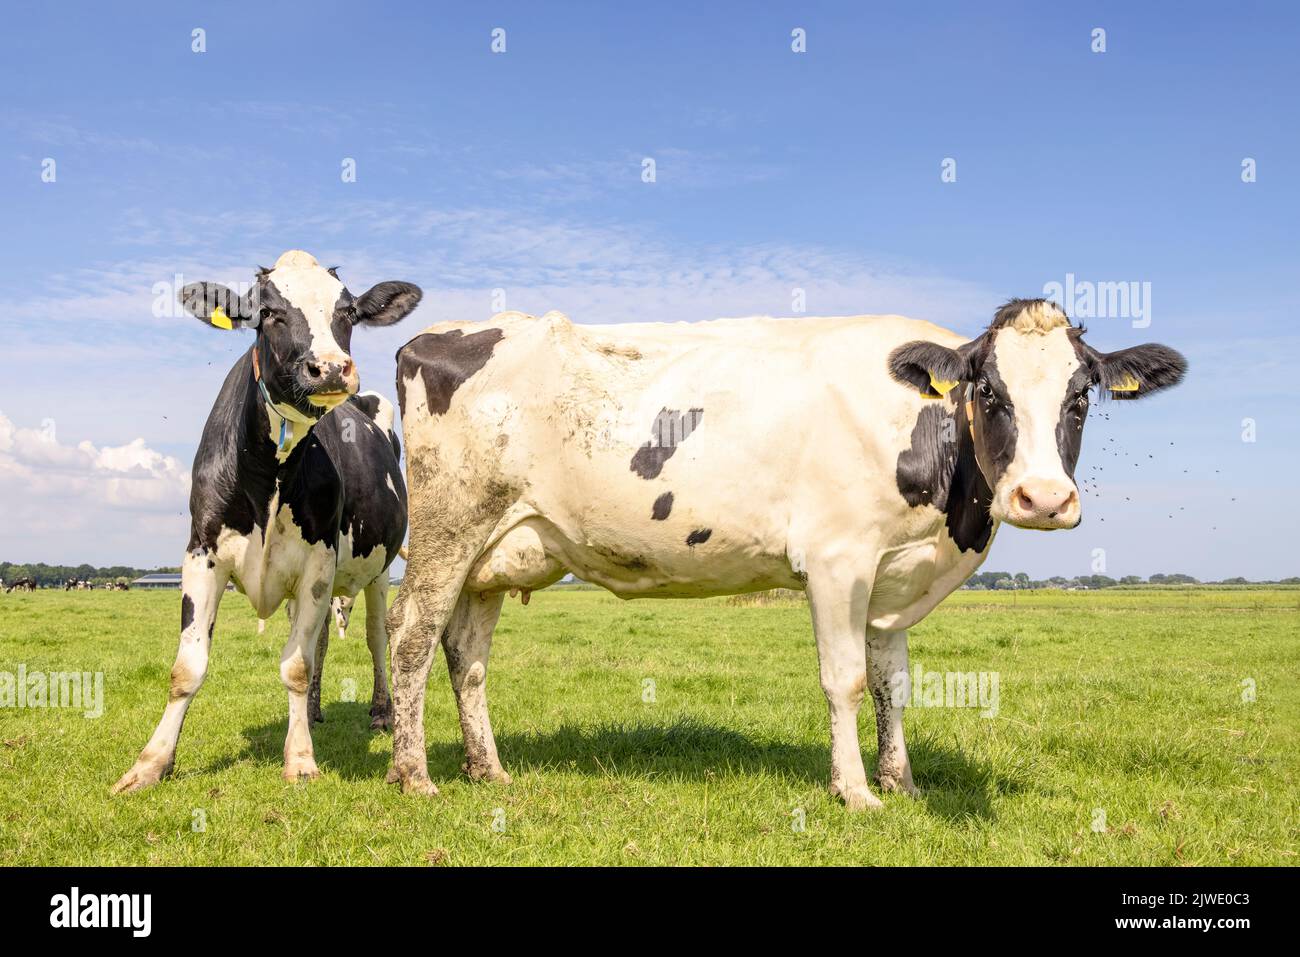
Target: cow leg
column 440, row 558
column 298, row 661
column 381, row 705
column 313, row 693
column 887, row 671
column 201, row 589
column 839, row 613
column 467, row 641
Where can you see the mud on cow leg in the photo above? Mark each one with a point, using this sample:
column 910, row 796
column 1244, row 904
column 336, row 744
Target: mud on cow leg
column 887, row 672
column 467, row 641
column 314, row 713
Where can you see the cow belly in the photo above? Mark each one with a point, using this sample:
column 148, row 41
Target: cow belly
column 535, row 553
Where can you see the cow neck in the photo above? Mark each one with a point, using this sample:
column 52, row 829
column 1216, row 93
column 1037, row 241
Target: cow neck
column 290, row 425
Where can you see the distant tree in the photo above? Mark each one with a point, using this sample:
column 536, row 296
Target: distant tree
column 1131, row 580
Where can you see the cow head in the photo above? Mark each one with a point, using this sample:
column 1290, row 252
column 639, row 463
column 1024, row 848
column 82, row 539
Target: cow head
column 304, row 317
column 1026, row 382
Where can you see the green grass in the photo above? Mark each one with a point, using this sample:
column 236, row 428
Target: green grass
column 1126, row 701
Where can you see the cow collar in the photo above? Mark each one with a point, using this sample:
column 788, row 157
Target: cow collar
column 286, row 413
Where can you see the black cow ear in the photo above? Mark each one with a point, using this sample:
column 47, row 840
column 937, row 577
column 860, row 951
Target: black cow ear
column 1140, row 370
column 934, row 370
column 387, row 303
column 214, row 304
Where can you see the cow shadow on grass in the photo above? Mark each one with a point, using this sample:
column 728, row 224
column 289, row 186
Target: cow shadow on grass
column 342, row 743
column 954, row 785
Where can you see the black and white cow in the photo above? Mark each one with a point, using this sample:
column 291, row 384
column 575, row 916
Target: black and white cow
column 297, row 492
column 868, row 460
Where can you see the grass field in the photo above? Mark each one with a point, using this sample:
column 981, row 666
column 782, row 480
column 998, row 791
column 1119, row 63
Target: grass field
column 1128, row 702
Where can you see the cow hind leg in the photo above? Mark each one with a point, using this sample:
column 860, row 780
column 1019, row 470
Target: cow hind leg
column 201, row 590
column 839, row 612
column 440, row 560
column 381, row 705
column 887, row 672
column 467, row 641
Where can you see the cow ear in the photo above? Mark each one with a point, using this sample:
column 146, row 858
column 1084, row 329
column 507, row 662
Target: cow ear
column 1138, row 371
column 214, row 304
column 934, row 370
column 387, row 303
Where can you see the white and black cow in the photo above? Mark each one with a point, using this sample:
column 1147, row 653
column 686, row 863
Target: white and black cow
column 297, row 492
column 868, row 460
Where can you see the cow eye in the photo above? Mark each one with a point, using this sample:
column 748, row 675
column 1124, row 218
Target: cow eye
column 986, row 390
column 265, row 312
column 1081, row 401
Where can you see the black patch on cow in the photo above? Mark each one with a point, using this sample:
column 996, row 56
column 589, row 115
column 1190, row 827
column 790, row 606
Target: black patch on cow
column 1074, row 412
column 445, row 360
column 925, row 469
column 997, row 420
column 669, row 429
column 187, row 612
column 939, row 469
column 699, row 536
column 662, row 507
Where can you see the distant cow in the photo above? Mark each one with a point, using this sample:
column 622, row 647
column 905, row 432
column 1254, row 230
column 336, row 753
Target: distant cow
column 21, row 584
column 297, row 493
column 867, row 460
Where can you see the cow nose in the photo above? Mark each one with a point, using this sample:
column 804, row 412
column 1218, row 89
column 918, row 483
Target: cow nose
column 331, row 373
column 1044, row 504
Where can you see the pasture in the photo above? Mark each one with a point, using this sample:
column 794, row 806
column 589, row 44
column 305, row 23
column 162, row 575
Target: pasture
column 682, row 733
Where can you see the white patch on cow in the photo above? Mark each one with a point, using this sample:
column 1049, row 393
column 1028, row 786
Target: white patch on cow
column 388, row 480
column 1036, row 368
column 310, row 288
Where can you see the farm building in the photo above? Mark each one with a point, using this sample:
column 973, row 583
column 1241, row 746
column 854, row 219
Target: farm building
column 160, row 580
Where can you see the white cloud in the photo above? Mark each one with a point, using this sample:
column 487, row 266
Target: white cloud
column 40, row 477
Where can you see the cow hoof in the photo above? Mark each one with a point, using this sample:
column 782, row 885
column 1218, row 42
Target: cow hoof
column 421, row 787
column 301, row 771
column 479, row 773
column 857, row 798
column 381, row 722
column 140, row 777
column 316, row 717
column 899, row 786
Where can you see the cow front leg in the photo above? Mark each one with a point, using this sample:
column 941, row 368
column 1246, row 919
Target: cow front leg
column 298, row 662
column 839, row 612
column 202, row 585
column 381, row 704
column 314, row 713
column 467, row 642
column 887, row 673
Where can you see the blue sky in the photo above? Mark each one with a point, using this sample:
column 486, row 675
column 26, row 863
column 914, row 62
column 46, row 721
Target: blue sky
column 774, row 170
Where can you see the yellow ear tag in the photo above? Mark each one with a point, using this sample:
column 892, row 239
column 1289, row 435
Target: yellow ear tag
column 220, row 319
column 1128, row 384
column 941, row 386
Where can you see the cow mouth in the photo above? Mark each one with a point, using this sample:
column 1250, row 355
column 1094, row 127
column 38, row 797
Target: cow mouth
column 329, row 400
